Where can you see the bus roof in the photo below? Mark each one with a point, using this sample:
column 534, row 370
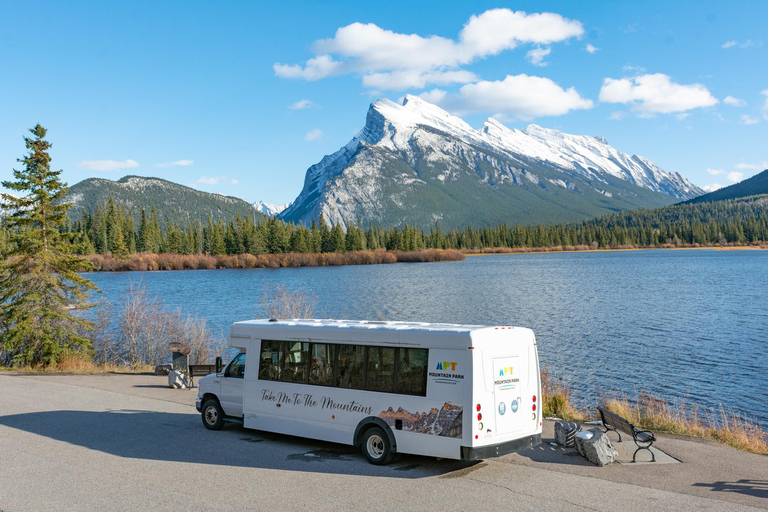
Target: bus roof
column 364, row 330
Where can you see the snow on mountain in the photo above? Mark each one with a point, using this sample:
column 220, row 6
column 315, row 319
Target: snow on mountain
column 270, row 209
column 417, row 145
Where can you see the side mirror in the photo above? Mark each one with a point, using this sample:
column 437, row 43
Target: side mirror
column 218, row 364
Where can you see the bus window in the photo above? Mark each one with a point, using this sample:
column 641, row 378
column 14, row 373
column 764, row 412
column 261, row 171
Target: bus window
column 350, row 366
column 412, row 371
column 381, row 369
column 237, row 367
column 296, row 362
column 321, row 365
column 271, row 357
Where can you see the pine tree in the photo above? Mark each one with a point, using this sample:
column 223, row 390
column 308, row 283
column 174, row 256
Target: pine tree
column 39, row 280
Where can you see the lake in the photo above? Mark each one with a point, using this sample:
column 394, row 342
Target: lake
column 681, row 324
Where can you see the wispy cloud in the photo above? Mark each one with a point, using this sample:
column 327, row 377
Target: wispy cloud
column 107, row 165
column 536, row 56
column 655, row 93
column 388, row 60
column 753, row 167
column 313, row 135
column 716, row 172
column 712, row 187
column 215, row 180
column 177, row 163
column 590, row 49
column 764, row 92
column 734, row 102
column 302, row 104
column 735, row 176
column 734, row 43
column 617, row 115
column 748, row 120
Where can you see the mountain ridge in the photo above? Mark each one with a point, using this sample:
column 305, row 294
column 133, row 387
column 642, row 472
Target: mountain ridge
column 756, row 185
column 417, row 163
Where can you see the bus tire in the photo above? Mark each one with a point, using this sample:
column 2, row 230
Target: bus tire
column 375, row 446
column 213, row 415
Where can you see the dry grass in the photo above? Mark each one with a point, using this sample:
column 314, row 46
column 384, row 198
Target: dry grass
column 579, row 248
column 148, row 261
column 647, row 411
column 726, row 426
column 80, row 366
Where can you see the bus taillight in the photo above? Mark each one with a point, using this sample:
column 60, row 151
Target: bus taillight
column 478, row 407
column 479, row 416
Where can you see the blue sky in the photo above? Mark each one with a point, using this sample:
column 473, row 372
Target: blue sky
column 241, row 98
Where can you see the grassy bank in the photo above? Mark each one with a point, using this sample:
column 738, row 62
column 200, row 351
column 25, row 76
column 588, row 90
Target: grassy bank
column 589, row 248
column 80, row 366
column 151, row 261
column 646, row 411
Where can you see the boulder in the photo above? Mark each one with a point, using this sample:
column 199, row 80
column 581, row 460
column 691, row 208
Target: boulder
column 597, row 448
column 163, row 369
column 565, row 431
column 178, row 380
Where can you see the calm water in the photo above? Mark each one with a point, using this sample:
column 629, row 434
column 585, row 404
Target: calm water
column 687, row 325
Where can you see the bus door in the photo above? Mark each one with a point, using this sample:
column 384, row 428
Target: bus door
column 507, row 381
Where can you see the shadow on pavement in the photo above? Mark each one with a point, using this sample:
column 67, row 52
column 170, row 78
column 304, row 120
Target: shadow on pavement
column 182, row 438
column 549, row 454
column 757, row 488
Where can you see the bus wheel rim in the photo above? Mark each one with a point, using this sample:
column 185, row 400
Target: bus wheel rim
column 211, row 415
column 375, row 446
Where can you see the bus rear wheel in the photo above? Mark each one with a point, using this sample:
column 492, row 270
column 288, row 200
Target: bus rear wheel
column 376, row 447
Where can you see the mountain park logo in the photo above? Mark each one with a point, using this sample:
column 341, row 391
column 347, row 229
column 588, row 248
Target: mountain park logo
column 503, row 372
column 445, row 372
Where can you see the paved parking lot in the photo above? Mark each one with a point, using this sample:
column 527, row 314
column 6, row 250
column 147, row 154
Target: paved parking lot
column 127, row 442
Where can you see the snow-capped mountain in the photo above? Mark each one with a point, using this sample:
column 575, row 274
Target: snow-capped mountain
column 270, row 209
column 416, row 163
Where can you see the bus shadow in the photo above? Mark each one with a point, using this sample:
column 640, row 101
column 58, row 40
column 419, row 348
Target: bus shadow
column 162, row 436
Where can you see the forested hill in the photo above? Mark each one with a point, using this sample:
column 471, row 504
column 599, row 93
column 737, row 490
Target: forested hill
column 172, row 201
column 756, row 185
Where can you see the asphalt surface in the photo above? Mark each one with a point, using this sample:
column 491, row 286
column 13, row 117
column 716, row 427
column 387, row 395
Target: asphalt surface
column 126, row 442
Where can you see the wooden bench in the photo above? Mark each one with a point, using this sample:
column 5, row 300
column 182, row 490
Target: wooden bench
column 643, row 438
column 200, row 370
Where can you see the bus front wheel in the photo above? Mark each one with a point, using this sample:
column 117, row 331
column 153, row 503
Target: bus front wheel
column 376, row 447
column 213, row 415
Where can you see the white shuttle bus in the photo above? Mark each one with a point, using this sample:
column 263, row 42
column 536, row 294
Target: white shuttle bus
column 441, row 390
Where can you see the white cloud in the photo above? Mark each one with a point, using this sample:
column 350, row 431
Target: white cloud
column 617, row 115
column 215, row 180
column 681, row 117
column 734, row 102
column 629, row 68
column 107, row 165
column 712, row 187
column 655, row 93
column 315, row 68
column 313, row 135
column 302, row 104
column 748, row 120
column 590, row 48
column 752, row 167
column 389, row 60
column 521, row 96
column 716, row 172
column 177, row 163
column 536, row 56
column 745, row 44
column 735, row 176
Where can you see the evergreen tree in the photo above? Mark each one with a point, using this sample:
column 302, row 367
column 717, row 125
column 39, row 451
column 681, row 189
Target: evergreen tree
column 39, row 280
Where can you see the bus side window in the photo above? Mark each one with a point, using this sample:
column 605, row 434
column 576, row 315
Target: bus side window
column 296, row 365
column 412, row 371
column 350, row 369
column 269, row 362
column 381, row 369
column 321, row 364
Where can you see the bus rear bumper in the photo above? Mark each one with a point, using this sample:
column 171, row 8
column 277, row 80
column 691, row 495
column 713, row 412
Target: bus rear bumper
column 497, row 450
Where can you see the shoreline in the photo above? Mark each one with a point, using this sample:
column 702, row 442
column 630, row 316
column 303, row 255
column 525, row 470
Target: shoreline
column 571, row 249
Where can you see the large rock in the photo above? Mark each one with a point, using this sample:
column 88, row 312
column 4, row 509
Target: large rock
column 597, row 448
column 178, row 380
column 565, row 431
